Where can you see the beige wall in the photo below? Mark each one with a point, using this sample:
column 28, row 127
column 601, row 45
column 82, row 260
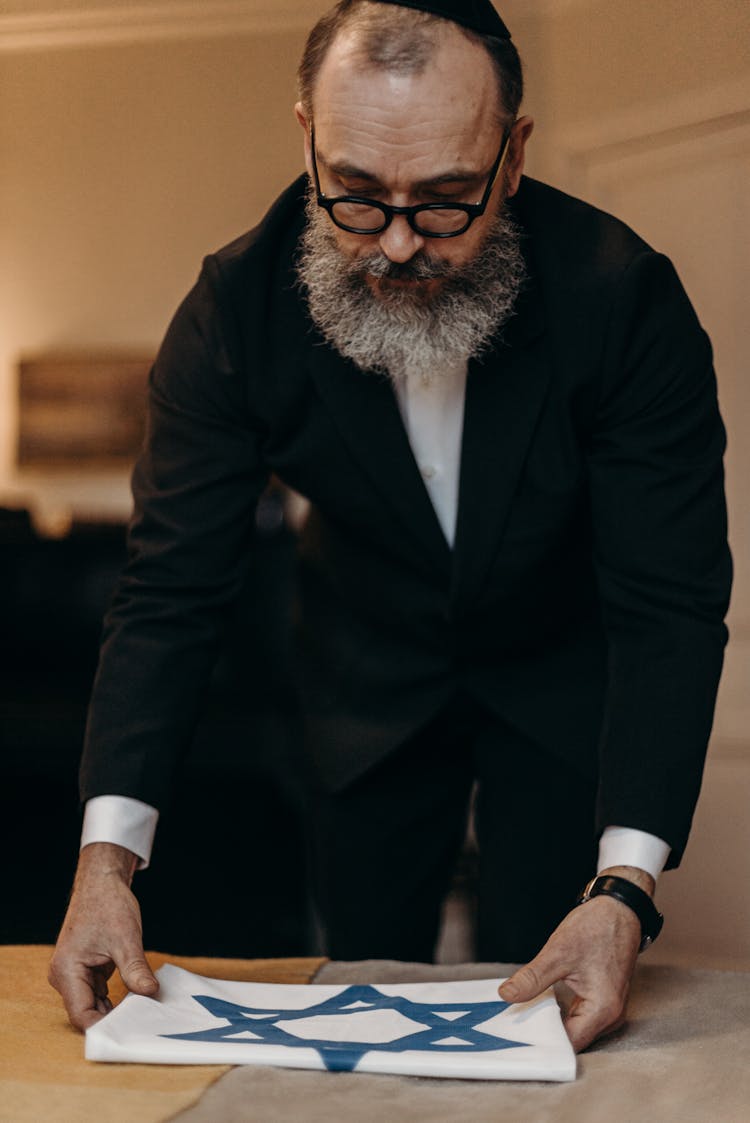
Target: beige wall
column 644, row 109
column 132, row 144
column 122, row 165
column 603, row 55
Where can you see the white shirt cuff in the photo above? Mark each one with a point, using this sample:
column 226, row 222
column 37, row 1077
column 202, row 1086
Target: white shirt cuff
column 625, row 846
column 123, row 821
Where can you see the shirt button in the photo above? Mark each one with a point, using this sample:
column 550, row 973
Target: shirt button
column 428, row 471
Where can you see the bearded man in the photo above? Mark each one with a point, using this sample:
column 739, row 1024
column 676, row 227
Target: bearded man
column 501, row 408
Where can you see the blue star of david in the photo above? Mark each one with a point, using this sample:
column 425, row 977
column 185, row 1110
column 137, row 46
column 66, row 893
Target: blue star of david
column 343, row 1056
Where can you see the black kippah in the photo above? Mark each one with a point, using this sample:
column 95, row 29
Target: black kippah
column 479, row 15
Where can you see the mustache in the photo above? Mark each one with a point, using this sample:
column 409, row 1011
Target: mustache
column 421, row 267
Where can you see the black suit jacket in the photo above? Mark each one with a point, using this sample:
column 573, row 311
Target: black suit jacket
column 584, row 598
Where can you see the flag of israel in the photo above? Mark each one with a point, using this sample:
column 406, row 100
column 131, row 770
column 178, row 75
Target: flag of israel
column 456, row 1029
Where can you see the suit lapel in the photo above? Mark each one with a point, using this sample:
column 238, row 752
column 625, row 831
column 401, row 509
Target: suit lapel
column 505, row 393
column 365, row 410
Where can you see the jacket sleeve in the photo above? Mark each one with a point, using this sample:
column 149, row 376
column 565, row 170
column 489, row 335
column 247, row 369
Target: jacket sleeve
column 660, row 551
column 195, row 488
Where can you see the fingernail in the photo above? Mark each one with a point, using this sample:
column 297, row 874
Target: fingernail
column 509, row 990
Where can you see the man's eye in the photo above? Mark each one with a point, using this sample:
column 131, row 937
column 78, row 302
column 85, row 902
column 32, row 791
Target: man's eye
column 362, row 189
column 456, row 194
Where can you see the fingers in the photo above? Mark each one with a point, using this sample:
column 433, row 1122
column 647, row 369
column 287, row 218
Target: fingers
column 589, row 1016
column 103, row 1004
column 531, row 980
column 593, row 951
column 83, row 988
column 588, row 1020
column 83, row 1005
column 136, row 973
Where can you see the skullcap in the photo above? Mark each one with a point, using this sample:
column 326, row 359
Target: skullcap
column 479, row 15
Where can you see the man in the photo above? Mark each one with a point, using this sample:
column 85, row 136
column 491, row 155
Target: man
column 547, row 621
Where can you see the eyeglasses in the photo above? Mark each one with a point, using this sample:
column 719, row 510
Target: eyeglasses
column 359, row 215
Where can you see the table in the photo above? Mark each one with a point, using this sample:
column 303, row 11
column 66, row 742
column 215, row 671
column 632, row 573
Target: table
column 684, row 1057
column 43, row 1074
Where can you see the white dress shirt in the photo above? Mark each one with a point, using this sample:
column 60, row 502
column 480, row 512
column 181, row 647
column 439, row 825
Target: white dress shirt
column 433, row 417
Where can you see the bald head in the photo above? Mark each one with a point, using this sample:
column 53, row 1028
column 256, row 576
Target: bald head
column 445, row 88
column 402, row 41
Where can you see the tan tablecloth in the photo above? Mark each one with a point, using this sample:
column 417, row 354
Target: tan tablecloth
column 43, row 1076
column 683, row 1058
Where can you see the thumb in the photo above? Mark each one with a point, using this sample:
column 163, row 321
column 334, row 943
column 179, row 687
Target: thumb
column 530, row 981
column 136, row 973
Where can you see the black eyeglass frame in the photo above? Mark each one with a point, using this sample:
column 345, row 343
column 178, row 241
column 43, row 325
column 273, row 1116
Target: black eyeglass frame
column 471, row 210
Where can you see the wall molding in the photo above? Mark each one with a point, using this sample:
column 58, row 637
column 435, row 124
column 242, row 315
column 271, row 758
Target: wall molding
column 686, row 116
column 160, row 20
column 736, row 750
column 106, row 25
column 533, row 9
column 586, row 155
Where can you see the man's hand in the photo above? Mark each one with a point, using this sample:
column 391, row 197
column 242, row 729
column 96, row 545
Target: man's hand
column 593, row 951
column 101, row 931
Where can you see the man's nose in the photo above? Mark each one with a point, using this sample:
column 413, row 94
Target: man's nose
column 399, row 242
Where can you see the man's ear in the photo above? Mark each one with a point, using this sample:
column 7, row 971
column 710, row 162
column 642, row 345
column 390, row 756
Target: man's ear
column 299, row 113
column 519, row 136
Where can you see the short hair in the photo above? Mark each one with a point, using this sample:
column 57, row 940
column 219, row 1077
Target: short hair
column 402, row 40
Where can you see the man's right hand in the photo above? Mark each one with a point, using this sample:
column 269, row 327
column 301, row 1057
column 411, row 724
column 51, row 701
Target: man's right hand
column 101, row 931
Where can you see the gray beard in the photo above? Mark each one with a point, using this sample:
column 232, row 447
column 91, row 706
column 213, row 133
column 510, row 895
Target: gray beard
column 402, row 333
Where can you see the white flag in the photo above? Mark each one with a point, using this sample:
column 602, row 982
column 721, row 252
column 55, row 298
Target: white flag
column 456, row 1029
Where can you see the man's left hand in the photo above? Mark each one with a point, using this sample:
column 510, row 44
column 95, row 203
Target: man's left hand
column 593, row 951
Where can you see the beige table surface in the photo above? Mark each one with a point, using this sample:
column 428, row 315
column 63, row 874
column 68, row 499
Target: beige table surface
column 684, row 1057
column 43, row 1075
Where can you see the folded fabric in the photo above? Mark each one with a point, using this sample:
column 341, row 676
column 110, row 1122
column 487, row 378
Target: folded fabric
column 455, row 1029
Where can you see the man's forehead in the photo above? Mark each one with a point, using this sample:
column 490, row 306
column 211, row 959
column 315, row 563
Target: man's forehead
column 453, row 96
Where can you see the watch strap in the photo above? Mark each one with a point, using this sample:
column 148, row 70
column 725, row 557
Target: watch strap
column 630, row 894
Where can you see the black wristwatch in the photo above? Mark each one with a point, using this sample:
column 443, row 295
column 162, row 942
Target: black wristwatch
column 632, row 896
